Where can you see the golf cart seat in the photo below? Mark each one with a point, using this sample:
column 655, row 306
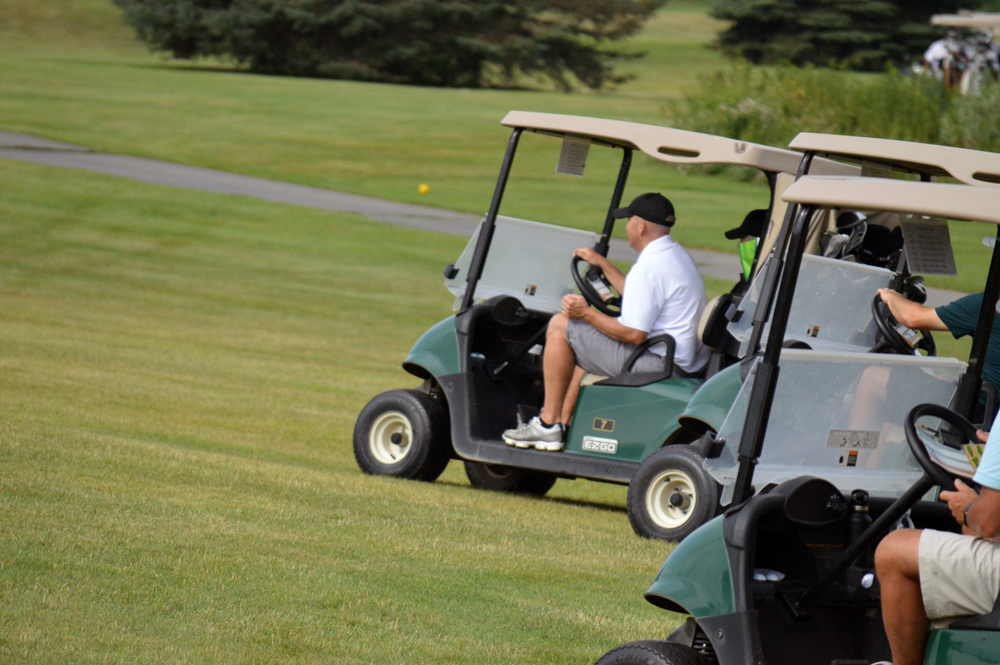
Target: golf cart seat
column 713, row 333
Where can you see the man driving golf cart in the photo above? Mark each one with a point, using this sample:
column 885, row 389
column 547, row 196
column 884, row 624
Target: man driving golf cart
column 663, row 295
column 929, row 575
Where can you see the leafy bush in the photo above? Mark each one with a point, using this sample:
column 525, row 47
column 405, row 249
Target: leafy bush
column 771, row 106
column 859, row 34
column 974, row 121
column 456, row 43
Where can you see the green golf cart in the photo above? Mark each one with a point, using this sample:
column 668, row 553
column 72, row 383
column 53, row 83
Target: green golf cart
column 825, row 315
column 828, row 455
column 481, row 368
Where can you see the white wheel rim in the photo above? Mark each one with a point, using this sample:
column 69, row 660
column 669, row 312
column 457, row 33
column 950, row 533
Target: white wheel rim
column 666, row 485
column 380, row 437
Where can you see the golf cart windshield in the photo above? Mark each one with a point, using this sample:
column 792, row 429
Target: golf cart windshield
column 839, row 416
column 527, row 260
column 829, row 309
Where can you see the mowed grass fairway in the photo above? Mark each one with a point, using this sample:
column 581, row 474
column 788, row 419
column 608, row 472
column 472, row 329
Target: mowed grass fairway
column 181, row 376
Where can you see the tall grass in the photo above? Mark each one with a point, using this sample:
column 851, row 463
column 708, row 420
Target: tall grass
column 772, row 105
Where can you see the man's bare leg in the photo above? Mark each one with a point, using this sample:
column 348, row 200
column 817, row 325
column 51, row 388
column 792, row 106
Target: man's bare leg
column 572, row 392
column 906, row 624
column 558, row 364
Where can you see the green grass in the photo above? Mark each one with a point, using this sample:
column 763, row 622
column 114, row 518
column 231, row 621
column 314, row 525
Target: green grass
column 182, row 373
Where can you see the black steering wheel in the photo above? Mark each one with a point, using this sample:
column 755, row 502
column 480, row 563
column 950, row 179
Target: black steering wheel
column 919, row 450
column 596, row 289
column 892, row 338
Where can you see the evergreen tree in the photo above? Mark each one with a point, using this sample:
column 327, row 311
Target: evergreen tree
column 861, row 34
column 424, row 42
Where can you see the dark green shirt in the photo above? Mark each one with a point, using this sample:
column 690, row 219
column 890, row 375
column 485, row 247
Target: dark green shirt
column 961, row 318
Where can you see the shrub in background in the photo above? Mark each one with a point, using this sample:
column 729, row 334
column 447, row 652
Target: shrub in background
column 455, row 43
column 772, row 105
column 974, row 121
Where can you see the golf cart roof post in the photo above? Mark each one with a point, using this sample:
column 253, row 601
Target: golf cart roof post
column 950, row 201
column 972, row 167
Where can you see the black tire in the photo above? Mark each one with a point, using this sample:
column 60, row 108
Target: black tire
column 420, row 422
column 652, row 653
column 674, row 471
column 508, row 478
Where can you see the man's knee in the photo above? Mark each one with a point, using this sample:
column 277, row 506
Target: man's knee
column 899, row 553
column 557, row 327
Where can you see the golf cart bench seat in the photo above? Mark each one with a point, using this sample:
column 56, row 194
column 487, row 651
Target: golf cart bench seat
column 839, row 416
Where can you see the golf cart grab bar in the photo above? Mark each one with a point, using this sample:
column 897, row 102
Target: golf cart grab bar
column 668, row 358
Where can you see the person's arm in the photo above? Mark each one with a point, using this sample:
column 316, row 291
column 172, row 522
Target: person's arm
column 980, row 513
column 911, row 314
column 575, row 307
column 614, row 275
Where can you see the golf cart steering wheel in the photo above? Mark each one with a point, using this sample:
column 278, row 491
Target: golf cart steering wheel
column 892, row 338
column 919, row 450
column 596, row 289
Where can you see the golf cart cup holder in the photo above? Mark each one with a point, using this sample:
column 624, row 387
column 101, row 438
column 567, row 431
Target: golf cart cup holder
column 609, row 304
column 892, row 337
column 508, row 311
column 919, row 450
column 812, row 502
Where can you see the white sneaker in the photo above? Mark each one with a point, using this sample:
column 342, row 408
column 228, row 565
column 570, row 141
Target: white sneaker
column 535, row 434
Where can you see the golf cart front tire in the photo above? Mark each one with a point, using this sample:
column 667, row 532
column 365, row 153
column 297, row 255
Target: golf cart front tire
column 404, row 434
column 508, row 479
column 671, row 494
column 652, row 653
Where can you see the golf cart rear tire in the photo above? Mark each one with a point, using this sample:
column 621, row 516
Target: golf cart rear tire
column 508, row 478
column 673, row 470
column 652, row 653
column 421, row 424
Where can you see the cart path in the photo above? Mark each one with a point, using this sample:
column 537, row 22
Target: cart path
column 25, row 148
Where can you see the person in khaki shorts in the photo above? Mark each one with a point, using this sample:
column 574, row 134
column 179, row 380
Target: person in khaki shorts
column 930, row 575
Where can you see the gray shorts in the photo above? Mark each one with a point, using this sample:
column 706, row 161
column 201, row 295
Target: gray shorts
column 599, row 354
column 959, row 575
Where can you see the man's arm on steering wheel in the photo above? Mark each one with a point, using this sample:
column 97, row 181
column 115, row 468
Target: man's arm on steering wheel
column 575, row 307
column 979, row 513
column 615, row 276
column 910, row 314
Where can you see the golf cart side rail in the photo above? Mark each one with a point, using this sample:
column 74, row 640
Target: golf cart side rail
column 949, row 201
column 675, row 146
column 972, row 167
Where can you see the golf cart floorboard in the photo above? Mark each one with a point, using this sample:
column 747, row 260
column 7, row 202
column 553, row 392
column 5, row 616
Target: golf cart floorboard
column 567, row 465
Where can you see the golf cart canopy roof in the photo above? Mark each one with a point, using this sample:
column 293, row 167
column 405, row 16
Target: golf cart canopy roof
column 973, row 167
column 919, row 198
column 675, row 146
column 977, row 20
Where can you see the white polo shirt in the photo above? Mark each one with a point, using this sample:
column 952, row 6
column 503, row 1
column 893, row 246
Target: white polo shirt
column 664, row 293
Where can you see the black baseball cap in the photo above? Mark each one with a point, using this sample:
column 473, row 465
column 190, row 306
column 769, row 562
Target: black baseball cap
column 753, row 225
column 652, row 207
